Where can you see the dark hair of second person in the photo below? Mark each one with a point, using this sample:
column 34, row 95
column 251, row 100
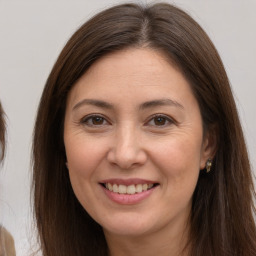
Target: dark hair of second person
column 2, row 133
column 6, row 240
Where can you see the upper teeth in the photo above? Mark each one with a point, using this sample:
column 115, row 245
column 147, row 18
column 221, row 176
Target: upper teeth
column 131, row 189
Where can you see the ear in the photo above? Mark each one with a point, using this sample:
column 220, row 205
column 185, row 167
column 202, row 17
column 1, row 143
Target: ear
column 209, row 146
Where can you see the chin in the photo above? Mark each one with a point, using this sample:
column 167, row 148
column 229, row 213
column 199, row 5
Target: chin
column 130, row 231
column 128, row 226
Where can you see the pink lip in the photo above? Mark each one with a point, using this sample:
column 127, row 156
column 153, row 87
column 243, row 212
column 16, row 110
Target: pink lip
column 126, row 199
column 128, row 182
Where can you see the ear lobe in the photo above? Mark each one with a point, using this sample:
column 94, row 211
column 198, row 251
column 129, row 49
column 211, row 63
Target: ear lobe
column 209, row 146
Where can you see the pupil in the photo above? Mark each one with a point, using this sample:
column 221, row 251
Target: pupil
column 97, row 120
column 159, row 120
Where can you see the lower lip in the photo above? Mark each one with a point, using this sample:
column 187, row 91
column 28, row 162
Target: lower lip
column 127, row 199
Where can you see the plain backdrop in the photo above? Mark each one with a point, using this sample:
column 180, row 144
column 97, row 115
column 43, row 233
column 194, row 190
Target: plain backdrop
column 32, row 33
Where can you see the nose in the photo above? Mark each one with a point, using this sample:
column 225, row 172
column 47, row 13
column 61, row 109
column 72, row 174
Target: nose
column 127, row 151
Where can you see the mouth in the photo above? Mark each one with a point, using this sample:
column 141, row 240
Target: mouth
column 129, row 189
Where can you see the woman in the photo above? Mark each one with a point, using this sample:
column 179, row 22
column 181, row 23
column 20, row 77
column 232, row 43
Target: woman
column 6, row 241
column 138, row 148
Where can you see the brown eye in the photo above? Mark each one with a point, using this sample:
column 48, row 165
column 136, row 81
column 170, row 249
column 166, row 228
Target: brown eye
column 97, row 120
column 94, row 121
column 159, row 120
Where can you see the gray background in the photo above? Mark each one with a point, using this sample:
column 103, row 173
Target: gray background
column 32, row 33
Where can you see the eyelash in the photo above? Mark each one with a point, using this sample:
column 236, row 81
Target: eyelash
column 88, row 120
column 164, row 117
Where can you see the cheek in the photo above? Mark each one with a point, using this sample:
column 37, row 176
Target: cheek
column 80, row 166
column 83, row 156
column 184, row 152
column 178, row 161
column 83, row 159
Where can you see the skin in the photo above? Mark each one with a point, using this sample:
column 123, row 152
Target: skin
column 127, row 141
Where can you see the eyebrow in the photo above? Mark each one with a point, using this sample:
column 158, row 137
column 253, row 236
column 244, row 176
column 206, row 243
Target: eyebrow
column 145, row 105
column 160, row 102
column 97, row 103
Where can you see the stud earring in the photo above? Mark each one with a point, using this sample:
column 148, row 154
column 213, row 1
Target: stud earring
column 208, row 165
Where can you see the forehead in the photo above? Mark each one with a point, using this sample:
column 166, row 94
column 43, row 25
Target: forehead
column 137, row 63
column 131, row 70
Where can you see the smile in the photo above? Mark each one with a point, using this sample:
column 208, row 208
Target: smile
column 130, row 189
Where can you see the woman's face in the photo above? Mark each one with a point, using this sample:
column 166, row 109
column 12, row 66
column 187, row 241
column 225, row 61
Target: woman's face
column 134, row 143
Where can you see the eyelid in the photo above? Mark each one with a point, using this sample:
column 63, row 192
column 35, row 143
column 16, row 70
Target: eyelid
column 169, row 119
column 85, row 119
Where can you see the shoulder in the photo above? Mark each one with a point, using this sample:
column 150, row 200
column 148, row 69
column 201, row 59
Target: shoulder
column 6, row 243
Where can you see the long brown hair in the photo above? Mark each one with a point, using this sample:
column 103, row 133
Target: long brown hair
column 2, row 133
column 222, row 212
